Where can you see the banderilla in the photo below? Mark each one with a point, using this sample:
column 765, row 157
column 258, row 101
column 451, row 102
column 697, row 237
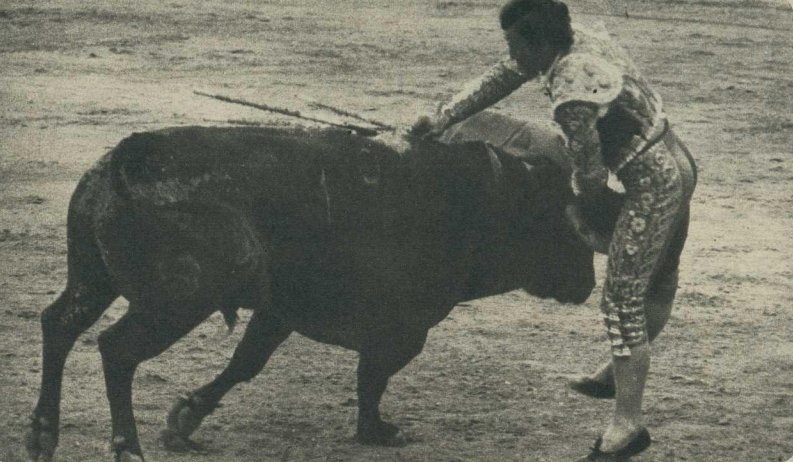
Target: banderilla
column 342, row 112
column 363, row 131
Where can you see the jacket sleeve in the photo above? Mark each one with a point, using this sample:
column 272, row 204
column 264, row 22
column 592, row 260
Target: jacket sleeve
column 578, row 120
column 582, row 89
column 495, row 84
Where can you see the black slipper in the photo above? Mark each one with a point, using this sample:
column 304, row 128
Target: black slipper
column 593, row 388
column 637, row 444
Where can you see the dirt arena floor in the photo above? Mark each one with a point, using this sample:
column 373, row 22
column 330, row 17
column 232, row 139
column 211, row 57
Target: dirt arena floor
column 78, row 76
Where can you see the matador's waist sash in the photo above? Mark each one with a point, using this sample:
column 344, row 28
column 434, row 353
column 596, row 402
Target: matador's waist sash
column 641, row 144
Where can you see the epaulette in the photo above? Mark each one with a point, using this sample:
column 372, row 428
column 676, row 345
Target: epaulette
column 585, row 78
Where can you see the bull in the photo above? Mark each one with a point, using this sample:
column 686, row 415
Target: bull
column 322, row 232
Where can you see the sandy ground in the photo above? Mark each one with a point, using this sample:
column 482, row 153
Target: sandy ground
column 77, row 76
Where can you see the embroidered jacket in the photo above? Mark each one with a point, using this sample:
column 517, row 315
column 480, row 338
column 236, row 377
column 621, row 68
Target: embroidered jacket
column 599, row 98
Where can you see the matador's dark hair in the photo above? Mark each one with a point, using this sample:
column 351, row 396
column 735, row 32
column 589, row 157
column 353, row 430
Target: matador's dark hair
column 546, row 19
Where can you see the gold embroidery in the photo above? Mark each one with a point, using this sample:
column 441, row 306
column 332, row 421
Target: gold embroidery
column 598, row 72
column 578, row 121
column 495, row 84
column 648, row 220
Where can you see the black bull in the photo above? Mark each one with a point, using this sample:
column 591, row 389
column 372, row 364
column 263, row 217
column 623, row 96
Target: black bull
column 328, row 234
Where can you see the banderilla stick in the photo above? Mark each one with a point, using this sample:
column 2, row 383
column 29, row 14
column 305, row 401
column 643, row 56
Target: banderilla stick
column 345, row 113
column 363, row 131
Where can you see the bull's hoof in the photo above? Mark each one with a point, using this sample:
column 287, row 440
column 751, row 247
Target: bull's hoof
column 382, row 434
column 185, row 418
column 126, row 456
column 175, row 442
column 41, row 440
column 121, row 451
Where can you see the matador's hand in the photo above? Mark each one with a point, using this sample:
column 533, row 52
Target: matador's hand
column 591, row 182
column 593, row 239
column 427, row 127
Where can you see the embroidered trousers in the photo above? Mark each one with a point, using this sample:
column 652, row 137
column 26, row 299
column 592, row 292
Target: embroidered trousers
column 658, row 186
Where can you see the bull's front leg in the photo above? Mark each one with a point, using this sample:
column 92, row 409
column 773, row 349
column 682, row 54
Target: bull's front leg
column 381, row 357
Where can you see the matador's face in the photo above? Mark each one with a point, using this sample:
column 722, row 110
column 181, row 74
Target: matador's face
column 533, row 57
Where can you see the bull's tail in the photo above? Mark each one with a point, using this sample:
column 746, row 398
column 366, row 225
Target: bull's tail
column 127, row 164
column 128, row 167
column 217, row 229
column 129, row 153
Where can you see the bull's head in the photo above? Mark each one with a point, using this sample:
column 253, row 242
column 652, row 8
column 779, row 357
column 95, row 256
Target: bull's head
column 562, row 263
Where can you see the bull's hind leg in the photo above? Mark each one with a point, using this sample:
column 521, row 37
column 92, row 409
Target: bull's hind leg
column 70, row 315
column 89, row 292
column 381, row 357
column 141, row 334
column 262, row 336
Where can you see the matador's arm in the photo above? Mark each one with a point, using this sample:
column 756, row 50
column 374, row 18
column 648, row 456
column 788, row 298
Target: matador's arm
column 495, row 84
column 578, row 120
